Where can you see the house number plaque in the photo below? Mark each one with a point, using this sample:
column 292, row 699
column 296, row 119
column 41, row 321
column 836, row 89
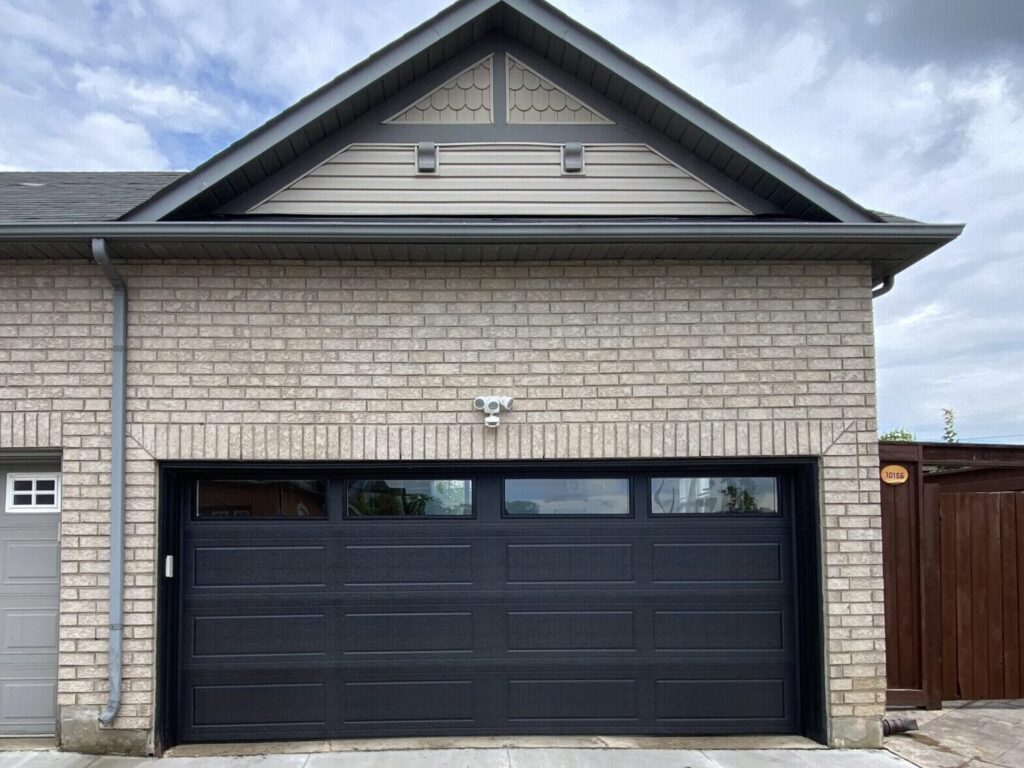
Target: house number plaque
column 894, row 474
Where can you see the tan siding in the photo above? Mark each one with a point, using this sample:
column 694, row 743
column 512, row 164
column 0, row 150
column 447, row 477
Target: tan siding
column 499, row 179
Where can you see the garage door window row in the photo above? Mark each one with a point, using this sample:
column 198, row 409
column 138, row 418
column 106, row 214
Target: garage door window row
column 454, row 497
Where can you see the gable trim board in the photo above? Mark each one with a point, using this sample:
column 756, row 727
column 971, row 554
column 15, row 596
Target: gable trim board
column 455, row 100
column 262, row 152
column 498, row 179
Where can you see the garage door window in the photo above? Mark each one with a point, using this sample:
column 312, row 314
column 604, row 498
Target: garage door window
column 582, row 497
column 714, row 496
column 410, row 498
column 261, row 499
column 33, row 492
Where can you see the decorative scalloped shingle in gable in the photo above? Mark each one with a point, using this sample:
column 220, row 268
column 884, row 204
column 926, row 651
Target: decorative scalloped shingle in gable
column 534, row 100
column 466, row 98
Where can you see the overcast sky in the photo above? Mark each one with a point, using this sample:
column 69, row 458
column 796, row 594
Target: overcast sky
column 910, row 106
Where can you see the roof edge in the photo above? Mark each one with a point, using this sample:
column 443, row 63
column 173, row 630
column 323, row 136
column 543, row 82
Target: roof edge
column 485, row 231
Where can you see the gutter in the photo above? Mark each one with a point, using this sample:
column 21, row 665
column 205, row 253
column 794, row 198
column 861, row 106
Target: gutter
column 887, row 283
column 117, row 479
column 481, row 231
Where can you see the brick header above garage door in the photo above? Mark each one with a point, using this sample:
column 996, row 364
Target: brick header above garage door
column 324, row 442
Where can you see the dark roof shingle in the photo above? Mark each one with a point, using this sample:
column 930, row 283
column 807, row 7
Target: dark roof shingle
column 892, row 218
column 76, row 196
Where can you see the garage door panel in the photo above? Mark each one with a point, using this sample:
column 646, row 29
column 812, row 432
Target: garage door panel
column 398, row 632
column 572, row 699
column 279, row 567
column 276, row 634
column 487, row 624
column 253, row 701
column 27, row 696
column 575, row 562
column 410, row 701
column 571, row 630
column 718, row 630
column 433, row 698
column 408, row 564
column 717, row 562
column 28, row 564
column 28, row 627
column 737, row 699
column 260, row 705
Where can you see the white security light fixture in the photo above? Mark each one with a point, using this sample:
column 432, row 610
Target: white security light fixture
column 492, row 405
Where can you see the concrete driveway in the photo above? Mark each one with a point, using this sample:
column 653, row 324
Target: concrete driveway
column 486, row 758
column 978, row 734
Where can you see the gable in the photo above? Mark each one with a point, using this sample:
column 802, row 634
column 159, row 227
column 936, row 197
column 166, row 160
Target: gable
column 386, row 95
column 505, row 160
column 498, row 179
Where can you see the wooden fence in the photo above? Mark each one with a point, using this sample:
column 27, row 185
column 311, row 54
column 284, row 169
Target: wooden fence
column 982, row 604
column 953, row 555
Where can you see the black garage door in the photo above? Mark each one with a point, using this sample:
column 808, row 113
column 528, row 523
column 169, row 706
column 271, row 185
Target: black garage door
column 462, row 599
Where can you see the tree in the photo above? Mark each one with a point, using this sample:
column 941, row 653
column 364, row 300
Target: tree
column 949, row 434
column 898, row 435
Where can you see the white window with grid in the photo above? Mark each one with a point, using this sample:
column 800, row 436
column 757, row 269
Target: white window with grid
column 33, row 492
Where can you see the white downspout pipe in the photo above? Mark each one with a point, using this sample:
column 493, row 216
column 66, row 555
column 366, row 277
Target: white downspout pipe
column 117, row 479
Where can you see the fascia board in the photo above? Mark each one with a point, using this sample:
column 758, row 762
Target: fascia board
column 469, row 231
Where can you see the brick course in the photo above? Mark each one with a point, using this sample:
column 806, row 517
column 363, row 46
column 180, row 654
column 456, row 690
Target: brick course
column 343, row 360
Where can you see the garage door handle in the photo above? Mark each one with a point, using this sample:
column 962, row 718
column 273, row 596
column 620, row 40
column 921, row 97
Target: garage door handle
column 169, row 567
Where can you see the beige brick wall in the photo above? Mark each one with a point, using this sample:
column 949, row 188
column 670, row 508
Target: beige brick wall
column 319, row 360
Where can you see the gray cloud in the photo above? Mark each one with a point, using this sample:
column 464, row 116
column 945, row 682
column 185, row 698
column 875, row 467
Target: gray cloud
column 953, row 33
column 948, row 33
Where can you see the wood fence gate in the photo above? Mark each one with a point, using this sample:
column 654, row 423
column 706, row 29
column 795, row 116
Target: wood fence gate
column 953, row 556
column 982, row 603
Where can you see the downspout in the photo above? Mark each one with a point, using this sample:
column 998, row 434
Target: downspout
column 887, row 283
column 117, row 479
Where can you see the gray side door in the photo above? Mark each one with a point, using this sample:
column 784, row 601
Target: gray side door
column 29, row 596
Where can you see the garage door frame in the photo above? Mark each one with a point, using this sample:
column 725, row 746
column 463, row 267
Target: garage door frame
column 800, row 477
